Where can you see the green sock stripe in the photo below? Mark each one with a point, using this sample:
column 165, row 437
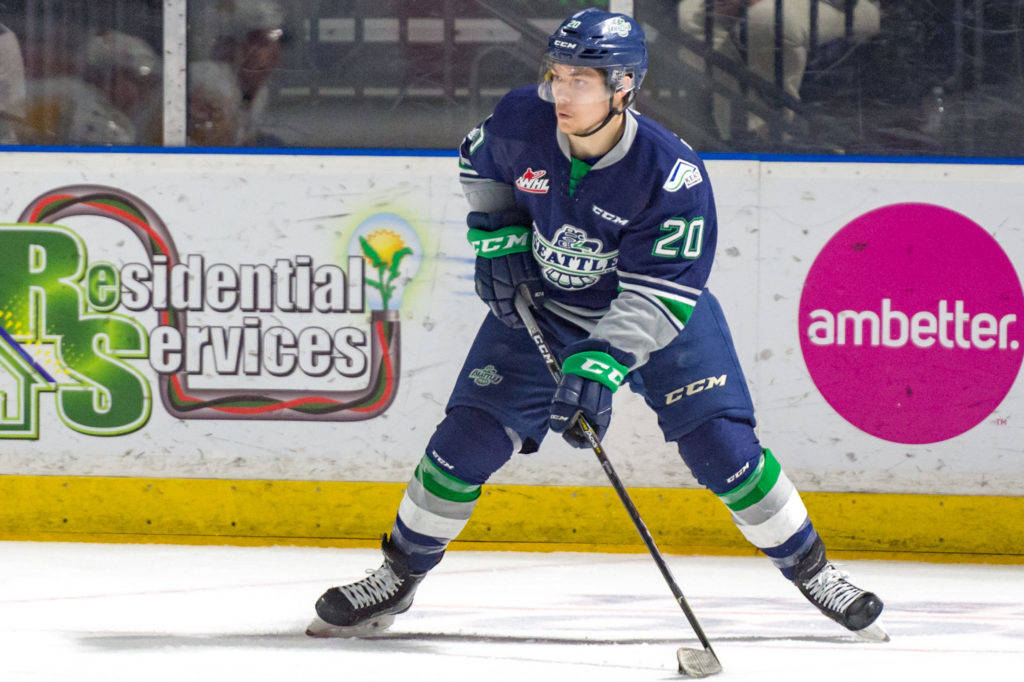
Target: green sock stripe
column 681, row 311
column 597, row 366
column 757, row 486
column 738, row 493
column 576, row 172
column 511, row 239
column 443, row 484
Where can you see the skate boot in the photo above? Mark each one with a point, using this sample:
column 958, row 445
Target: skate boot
column 826, row 587
column 368, row 605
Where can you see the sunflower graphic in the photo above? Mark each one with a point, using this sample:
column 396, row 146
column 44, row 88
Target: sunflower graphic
column 384, row 251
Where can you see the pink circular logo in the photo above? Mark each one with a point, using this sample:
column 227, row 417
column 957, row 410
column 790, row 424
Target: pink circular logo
column 911, row 323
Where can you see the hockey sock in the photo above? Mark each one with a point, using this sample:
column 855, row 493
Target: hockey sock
column 434, row 510
column 767, row 509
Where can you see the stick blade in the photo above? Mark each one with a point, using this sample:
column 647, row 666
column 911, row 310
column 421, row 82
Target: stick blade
column 698, row 662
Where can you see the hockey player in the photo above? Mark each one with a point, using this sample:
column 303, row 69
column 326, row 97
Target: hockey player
column 609, row 221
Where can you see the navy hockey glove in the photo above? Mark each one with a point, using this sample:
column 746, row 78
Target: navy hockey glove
column 592, row 370
column 504, row 260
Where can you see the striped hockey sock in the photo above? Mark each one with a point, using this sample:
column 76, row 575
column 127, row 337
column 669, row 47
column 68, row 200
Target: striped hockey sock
column 767, row 509
column 434, row 510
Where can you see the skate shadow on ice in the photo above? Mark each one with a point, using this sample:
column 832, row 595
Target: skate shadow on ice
column 294, row 639
column 414, row 641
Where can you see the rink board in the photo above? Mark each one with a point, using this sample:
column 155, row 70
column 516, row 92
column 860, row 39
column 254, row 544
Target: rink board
column 356, row 389
column 949, row 528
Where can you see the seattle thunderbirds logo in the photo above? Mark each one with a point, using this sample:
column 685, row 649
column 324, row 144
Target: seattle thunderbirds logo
column 572, row 260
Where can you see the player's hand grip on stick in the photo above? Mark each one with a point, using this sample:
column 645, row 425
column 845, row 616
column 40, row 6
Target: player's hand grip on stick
column 692, row 662
column 591, row 373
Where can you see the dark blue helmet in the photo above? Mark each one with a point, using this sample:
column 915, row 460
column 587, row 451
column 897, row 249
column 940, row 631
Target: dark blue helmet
column 601, row 40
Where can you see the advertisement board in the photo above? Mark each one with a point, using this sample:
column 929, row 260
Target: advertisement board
column 304, row 318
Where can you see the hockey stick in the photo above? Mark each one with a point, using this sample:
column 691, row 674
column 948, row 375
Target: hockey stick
column 692, row 662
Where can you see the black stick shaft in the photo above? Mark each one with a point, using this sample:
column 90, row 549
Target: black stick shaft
column 556, row 373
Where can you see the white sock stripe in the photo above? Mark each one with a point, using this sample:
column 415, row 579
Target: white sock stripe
column 770, row 504
column 428, row 523
column 430, row 502
column 777, row 529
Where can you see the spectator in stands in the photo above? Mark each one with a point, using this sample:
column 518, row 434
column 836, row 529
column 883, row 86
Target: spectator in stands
column 12, row 87
column 214, row 105
column 760, row 22
column 248, row 35
column 100, row 108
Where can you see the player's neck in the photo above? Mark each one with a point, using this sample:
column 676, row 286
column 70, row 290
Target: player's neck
column 601, row 142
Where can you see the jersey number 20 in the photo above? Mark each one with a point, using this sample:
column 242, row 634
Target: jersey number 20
column 684, row 239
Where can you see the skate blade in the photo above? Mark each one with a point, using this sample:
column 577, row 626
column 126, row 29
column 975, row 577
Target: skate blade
column 321, row 628
column 698, row 662
column 873, row 633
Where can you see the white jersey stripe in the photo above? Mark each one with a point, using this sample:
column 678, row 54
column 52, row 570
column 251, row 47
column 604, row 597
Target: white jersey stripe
column 629, row 286
column 657, row 281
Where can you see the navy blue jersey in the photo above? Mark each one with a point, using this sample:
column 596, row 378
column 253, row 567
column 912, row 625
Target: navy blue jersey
column 625, row 252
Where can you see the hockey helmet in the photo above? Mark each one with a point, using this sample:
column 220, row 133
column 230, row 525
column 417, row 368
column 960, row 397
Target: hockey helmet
column 612, row 43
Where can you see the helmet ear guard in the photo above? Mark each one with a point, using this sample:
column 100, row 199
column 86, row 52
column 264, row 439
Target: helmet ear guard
column 615, row 79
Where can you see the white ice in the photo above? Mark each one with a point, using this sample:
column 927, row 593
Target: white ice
column 106, row 612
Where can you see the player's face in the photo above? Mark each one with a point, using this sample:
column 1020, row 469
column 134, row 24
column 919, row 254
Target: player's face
column 580, row 95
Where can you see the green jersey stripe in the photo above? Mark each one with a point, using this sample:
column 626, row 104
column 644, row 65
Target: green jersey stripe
column 679, row 310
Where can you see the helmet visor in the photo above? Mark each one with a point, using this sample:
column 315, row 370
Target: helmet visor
column 569, row 83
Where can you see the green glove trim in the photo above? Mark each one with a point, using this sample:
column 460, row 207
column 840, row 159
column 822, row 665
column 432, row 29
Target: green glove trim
column 596, row 366
column 507, row 240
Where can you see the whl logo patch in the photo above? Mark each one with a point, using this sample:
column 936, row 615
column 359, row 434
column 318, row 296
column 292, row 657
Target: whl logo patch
column 533, row 181
column 910, row 323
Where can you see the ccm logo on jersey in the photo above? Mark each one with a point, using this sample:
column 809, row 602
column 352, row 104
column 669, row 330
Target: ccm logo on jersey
column 695, row 387
column 684, row 174
column 609, row 216
column 533, row 181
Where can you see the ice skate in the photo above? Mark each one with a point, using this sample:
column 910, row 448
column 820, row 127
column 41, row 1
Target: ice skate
column 827, row 587
column 367, row 606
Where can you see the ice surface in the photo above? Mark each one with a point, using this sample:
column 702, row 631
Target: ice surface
column 106, row 612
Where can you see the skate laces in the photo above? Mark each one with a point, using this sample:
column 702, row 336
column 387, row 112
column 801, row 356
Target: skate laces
column 830, row 588
column 378, row 586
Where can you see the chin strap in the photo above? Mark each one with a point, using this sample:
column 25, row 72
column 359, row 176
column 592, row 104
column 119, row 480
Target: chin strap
column 612, row 113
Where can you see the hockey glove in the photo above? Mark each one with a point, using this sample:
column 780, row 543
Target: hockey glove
column 504, row 260
column 592, row 370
